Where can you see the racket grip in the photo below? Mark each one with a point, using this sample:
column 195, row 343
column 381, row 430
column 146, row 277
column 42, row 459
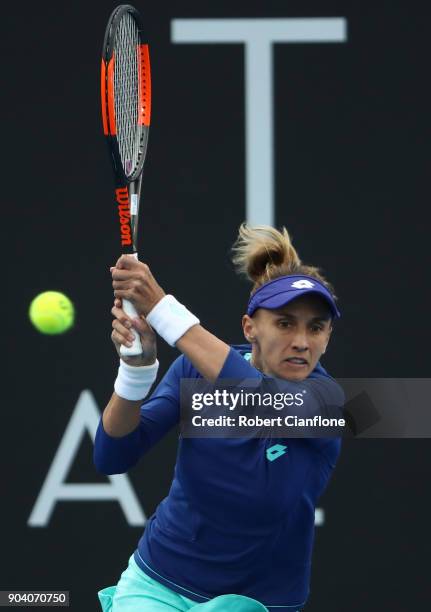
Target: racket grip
column 131, row 312
column 136, row 348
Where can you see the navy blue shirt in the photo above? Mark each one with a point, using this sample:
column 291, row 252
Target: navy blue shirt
column 233, row 521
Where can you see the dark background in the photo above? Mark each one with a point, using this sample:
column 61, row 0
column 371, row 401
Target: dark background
column 351, row 140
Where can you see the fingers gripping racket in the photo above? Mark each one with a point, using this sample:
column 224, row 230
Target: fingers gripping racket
column 126, row 110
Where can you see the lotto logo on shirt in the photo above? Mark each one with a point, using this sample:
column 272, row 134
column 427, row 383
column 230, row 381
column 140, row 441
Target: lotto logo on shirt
column 276, row 451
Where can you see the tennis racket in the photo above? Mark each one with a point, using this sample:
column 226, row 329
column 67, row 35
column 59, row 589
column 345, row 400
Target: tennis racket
column 126, row 111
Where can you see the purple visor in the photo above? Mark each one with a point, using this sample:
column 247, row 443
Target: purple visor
column 282, row 290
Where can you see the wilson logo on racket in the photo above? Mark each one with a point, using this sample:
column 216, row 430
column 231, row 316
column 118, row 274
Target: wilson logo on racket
column 122, row 197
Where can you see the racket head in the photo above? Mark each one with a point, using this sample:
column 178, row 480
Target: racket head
column 126, row 92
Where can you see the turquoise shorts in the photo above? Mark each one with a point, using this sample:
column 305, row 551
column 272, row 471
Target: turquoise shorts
column 137, row 592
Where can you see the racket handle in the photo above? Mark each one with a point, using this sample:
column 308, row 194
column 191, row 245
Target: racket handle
column 131, row 312
column 136, row 348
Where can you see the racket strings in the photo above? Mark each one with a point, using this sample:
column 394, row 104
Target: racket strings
column 126, row 88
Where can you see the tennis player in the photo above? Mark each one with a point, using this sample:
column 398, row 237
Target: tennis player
column 235, row 532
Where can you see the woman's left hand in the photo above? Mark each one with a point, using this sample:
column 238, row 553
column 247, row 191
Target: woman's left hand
column 132, row 280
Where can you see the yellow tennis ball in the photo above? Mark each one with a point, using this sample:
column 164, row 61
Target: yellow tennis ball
column 52, row 313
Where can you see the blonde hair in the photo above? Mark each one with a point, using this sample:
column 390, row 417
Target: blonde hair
column 262, row 253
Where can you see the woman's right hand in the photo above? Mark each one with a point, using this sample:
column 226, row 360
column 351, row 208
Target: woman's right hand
column 124, row 328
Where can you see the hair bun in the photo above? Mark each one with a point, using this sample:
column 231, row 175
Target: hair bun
column 262, row 253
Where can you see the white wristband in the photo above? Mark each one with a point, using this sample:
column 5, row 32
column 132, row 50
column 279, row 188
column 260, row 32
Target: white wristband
column 134, row 382
column 171, row 319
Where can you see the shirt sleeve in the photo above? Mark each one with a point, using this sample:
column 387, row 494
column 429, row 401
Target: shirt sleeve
column 159, row 414
column 324, row 396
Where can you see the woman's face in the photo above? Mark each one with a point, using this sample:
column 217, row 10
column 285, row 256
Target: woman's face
column 288, row 342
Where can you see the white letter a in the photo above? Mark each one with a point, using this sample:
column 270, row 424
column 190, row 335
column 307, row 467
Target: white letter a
column 85, row 417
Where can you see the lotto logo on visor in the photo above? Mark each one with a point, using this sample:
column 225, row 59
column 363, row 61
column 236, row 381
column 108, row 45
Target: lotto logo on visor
column 280, row 291
column 302, row 284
